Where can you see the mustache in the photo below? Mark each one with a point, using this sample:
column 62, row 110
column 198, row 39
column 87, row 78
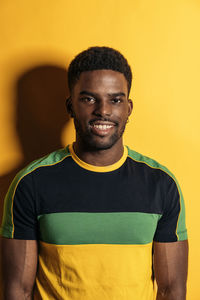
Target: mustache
column 104, row 120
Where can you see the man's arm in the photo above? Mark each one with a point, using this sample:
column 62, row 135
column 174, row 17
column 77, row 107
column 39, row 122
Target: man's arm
column 170, row 267
column 19, row 264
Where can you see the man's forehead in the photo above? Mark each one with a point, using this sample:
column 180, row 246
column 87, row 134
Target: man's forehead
column 99, row 79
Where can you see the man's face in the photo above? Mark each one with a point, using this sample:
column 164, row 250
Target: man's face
column 100, row 107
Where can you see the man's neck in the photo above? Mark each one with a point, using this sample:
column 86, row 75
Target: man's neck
column 100, row 157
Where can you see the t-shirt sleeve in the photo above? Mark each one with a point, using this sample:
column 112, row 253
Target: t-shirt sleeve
column 19, row 217
column 171, row 226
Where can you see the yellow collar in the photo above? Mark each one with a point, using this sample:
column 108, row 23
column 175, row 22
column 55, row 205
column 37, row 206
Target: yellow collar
column 93, row 168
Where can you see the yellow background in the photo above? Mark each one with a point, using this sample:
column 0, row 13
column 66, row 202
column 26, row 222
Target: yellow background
column 160, row 39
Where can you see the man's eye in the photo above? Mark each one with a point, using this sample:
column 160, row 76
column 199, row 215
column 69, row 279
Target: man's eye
column 116, row 100
column 88, row 99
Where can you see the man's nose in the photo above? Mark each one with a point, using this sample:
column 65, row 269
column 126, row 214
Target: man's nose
column 103, row 108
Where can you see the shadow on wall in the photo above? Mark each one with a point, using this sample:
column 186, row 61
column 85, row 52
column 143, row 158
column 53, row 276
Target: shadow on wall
column 40, row 116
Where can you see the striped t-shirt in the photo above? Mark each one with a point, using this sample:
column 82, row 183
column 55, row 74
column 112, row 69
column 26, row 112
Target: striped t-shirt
column 95, row 225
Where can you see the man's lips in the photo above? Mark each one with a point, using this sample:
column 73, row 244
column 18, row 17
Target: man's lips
column 102, row 122
column 102, row 128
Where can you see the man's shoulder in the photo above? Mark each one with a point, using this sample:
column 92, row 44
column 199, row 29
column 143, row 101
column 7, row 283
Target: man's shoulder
column 149, row 162
column 48, row 160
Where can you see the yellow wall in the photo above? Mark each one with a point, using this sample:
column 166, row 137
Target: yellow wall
column 160, row 39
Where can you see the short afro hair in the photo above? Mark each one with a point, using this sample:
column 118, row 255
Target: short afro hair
column 98, row 58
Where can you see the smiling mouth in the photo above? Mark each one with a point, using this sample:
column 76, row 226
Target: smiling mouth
column 101, row 128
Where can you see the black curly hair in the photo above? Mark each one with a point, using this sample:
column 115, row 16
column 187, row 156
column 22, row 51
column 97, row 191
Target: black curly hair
column 98, row 58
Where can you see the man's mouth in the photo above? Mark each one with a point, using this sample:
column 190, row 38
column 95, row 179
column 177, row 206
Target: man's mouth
column 102, row 128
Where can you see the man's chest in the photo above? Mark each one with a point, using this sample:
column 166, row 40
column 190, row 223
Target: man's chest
column 92, row 208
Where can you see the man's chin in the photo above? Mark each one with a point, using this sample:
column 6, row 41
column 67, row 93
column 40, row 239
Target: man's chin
column 101, row 144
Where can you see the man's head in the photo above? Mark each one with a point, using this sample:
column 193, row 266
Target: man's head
column 98, row 58
column 99, row 82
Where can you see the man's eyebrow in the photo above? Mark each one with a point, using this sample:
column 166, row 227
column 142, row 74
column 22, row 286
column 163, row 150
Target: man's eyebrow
column 117, row 94
column 96, row 95
column 87, row 93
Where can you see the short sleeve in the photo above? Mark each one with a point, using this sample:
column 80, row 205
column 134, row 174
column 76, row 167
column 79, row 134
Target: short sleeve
column 171, row 226
column 19, row 217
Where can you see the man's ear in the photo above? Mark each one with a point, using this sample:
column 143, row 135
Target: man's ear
column 68, row 104
column 130, row 106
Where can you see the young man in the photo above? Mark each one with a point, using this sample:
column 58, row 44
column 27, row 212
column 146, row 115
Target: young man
column 83, row 222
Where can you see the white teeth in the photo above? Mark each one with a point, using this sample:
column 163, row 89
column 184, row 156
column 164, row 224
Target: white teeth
column 103, row 127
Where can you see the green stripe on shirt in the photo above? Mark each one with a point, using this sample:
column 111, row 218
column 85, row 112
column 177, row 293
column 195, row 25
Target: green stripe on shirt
column 70, row 228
